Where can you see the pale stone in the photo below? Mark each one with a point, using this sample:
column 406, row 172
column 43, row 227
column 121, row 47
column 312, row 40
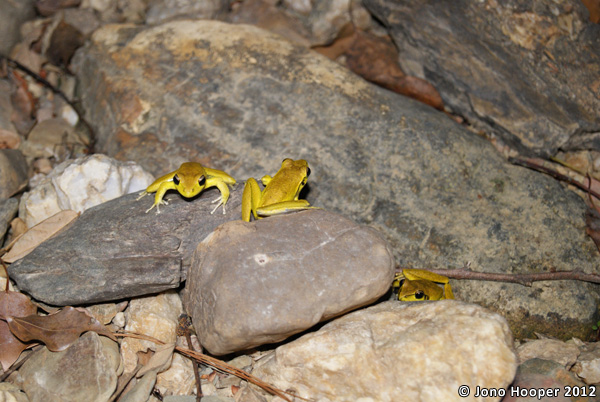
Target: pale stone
column 81, row 184
column 243, row 362
column 163, row 10
column 104, row 312
column 119, row 320
column 588, row 364
column 209, row 389
column 549, row 349
column 247, row 394
column 178, row 379
column 419, row 351
column 155, row 316
column 11, row 393
column 48, row 136
column 86, row 371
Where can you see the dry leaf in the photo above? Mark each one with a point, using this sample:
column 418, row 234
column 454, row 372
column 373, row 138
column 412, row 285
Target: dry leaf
column 17, row 227
column 12, row 304
column 57, row 331
column 39, row 233
column 341, row 45
column 376, row 59
column 160, row 360
column 593, row 7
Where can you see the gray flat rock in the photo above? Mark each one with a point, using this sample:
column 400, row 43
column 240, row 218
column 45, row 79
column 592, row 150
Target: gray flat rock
column 115, row 250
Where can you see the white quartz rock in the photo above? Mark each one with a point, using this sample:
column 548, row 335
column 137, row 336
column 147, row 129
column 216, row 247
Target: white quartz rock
column 398, row 352
column 80, row 184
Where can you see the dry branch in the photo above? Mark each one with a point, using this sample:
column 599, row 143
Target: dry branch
column 523, row 279
column 219, row 365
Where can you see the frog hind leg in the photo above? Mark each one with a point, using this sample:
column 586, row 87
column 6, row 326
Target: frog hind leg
column 284, row 207
column 448, row 294
column 250, row 199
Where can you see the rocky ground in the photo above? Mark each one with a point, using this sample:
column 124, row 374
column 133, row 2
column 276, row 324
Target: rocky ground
column 407, row 114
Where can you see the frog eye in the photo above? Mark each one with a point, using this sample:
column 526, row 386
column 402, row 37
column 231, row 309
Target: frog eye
column 176, row 180
column 307, row 171
column 201, row 180
column 419, row 294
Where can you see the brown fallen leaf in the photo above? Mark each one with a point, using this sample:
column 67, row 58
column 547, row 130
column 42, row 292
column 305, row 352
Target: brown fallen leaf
column 375, row 59
column 593, row 7
column 57, row 331
column 38, row 234
column 16, row 305
column 341, row 45
column 17, row 227
column 160, row 360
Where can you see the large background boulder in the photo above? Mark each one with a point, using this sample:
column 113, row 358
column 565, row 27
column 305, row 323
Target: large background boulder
column 240, row 99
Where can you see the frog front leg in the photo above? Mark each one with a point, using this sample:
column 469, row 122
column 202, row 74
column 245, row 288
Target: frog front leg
column 250, row 199
column 160, row 193
column 223, row 188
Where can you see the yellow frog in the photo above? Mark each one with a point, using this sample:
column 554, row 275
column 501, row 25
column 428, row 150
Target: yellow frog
column 189, row 180
column 280, row 194
column 418, row 284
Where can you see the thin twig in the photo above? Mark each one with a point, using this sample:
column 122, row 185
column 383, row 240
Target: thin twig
column 555, row 174
column 45, row 83
column 523, row 279
column 219, row 365
column 184, row 327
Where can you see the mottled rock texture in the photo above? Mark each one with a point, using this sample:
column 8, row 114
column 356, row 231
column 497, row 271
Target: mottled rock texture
column 240, row 99
column 526, row 71
column 394, row 351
